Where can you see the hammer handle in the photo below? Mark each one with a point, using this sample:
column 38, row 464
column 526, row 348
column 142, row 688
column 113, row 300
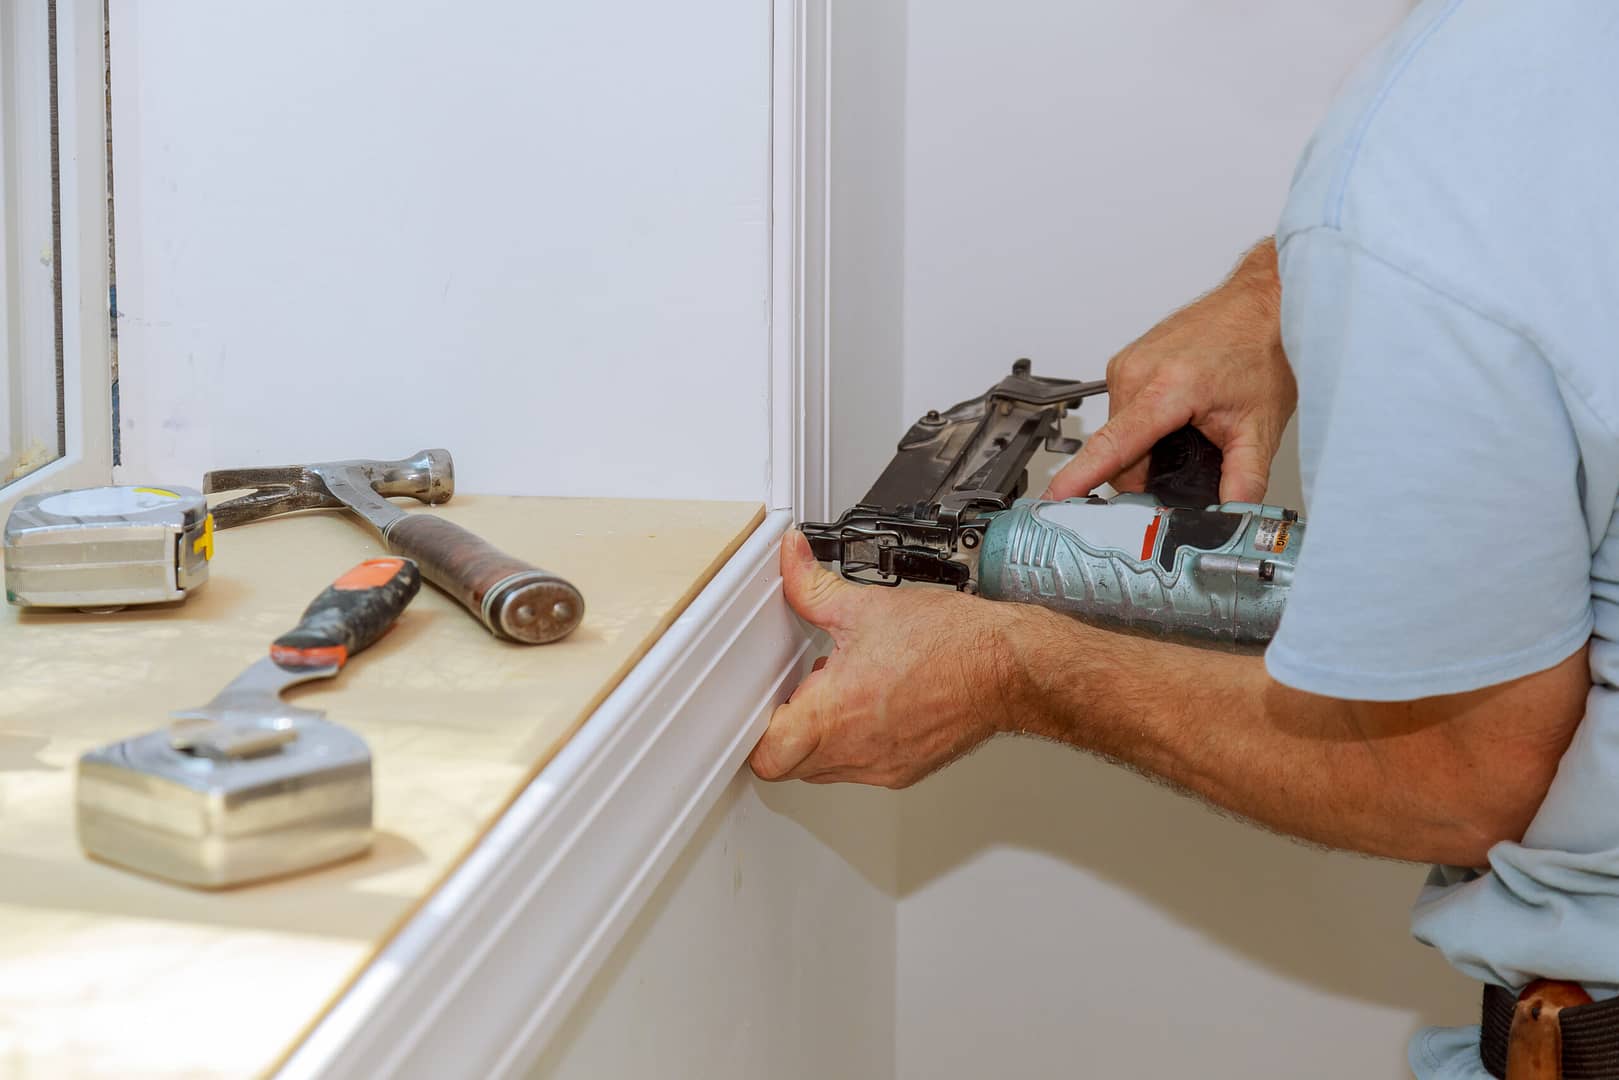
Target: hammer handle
column 514, row 599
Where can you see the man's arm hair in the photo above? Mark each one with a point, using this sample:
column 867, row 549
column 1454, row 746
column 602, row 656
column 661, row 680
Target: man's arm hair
column 1440, row 779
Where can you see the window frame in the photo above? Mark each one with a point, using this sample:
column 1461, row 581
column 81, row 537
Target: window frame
column 84, row 261
column 29, row 386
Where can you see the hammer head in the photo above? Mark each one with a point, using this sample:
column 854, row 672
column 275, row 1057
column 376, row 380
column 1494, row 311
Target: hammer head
column 428, row 475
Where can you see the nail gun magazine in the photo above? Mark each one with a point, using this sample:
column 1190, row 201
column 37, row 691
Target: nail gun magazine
column 1171, row 562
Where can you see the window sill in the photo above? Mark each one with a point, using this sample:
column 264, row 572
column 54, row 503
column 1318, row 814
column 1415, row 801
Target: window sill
column 510, row 853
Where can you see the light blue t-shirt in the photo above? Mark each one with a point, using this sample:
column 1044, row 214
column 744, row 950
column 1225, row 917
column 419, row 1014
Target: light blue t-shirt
column 1450, row 304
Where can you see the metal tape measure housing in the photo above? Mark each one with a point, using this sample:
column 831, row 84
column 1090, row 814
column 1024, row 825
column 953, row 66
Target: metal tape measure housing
column 107, row 547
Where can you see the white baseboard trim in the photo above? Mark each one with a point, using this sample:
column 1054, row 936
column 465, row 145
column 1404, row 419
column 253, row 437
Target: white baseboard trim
column 484, row 973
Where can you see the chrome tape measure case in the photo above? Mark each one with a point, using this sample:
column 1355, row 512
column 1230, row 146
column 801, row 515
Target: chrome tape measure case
column 217, row 817
column 107, row 547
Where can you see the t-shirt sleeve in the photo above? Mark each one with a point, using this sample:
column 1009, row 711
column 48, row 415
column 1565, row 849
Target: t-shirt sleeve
column 1445, row 547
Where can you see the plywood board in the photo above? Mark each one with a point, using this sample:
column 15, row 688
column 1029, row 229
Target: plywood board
column 105, row 973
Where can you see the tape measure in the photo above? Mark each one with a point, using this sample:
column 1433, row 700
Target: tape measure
column 105, row 548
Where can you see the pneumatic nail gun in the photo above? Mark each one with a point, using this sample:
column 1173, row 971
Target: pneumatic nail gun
column 1171, row 562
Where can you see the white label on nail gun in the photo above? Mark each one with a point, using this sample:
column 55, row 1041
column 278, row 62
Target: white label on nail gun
column 1273, row 535
column 106, row 502
column 1130, row 529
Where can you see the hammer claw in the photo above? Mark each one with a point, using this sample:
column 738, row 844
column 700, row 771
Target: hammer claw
column 289, row 476
column 266, row 502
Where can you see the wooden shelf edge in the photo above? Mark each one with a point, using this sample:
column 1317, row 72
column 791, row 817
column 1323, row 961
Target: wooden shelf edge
column 488, row 967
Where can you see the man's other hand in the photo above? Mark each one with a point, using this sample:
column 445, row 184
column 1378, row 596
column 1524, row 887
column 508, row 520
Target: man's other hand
column 1217, row 364
column 915, row 680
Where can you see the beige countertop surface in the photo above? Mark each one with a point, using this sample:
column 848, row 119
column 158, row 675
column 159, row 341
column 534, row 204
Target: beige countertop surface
column 106, row 973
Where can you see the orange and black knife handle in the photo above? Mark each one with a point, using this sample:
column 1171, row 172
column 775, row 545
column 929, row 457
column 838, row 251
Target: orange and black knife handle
column 350, row 614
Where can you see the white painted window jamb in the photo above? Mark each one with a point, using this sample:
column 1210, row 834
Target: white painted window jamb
column 28, row 413
column 82, row 163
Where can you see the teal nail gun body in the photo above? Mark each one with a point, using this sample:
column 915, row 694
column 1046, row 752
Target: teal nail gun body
column 1172, row 562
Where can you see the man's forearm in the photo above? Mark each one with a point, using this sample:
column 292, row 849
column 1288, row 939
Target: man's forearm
column 1438, row 780
column 1259, row 272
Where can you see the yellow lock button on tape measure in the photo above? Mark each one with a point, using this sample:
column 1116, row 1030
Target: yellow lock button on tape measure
column 107, row 547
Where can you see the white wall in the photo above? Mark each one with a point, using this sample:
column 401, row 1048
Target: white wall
column 1074, row 172
column 535, row 234
column 868, row 273
column 768, row 951
column 1061, row 917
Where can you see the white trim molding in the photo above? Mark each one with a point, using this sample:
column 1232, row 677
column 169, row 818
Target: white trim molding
column 800, row 226
column 479, row 979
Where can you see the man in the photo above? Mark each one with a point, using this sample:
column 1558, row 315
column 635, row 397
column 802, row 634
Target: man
column 1444, row 289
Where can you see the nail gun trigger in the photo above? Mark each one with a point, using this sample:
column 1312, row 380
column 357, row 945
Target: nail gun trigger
column 1061, row 444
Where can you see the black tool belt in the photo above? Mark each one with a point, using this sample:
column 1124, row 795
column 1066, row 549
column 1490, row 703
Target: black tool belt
column 1590, row 1036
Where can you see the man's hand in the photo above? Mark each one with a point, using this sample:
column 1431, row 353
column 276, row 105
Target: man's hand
column 911, row 685
column 1217, row 364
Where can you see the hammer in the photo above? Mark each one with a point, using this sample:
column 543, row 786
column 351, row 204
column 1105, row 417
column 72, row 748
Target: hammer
column 515, row 600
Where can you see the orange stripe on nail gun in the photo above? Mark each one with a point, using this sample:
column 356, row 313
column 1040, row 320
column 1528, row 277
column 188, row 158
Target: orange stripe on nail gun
column 1152, row 536
column 369, row 575
column 321, row 656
